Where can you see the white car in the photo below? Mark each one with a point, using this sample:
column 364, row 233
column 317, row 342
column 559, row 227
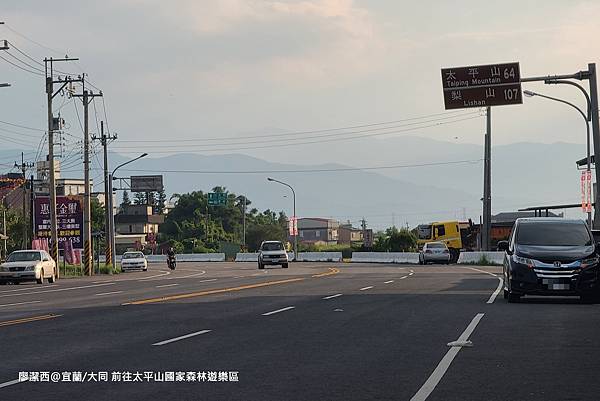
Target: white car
column 435, row 252
column 272, row 253
column 134, row 260
column 28, row 265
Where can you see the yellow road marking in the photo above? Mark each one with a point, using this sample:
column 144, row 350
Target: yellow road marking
column 27, row 320
column 210, row 292
column 331, row 271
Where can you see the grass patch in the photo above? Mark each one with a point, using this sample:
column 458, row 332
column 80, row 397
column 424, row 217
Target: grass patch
column 483, row 261
column 78, row 270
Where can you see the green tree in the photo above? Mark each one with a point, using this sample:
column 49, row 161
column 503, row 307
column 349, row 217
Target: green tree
column 401, row 240
column 160, row 202
column 139, row 198
column 98, row 217
column 126, row 200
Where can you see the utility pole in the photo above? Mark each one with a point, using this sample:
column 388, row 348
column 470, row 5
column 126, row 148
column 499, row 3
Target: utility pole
column 596, row 132
column 50, row 81
column 107, row 193
column 591, row 76
column 487, row 183
column 244, row 226
column 87, row 98
column 24, row 166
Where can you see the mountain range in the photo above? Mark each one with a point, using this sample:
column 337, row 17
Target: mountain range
column 426, row 180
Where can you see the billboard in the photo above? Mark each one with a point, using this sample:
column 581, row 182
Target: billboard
column 69, row 217
column 146, row 183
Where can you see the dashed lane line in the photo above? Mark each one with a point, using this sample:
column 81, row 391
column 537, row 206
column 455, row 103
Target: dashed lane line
column 172, row 340
column 279, row 311
column 435, row 377
column 332, row 296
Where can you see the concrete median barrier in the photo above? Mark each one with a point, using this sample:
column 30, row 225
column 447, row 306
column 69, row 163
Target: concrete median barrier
column 385, row 257
column 319, row 257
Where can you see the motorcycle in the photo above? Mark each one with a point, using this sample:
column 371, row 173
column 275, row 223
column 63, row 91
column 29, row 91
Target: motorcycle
column 171, row 262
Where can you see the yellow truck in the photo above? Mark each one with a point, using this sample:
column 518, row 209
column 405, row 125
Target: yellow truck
column 451, row 233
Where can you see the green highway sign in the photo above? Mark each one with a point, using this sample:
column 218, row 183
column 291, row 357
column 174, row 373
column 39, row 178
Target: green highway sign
column 217, row 199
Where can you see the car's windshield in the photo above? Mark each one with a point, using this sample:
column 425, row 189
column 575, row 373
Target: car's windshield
column 436, row 245
column 24, row 257
column 553, row 234
column 272, row 246
column 424, row 231
column 135, row 255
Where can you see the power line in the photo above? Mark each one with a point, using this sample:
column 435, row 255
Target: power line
column 22, row 126
column 303, row 143
column 323, row 170
column 461, row 112
column 304, row 138
column 21, row 68
column 24, row 62
column 31, row 40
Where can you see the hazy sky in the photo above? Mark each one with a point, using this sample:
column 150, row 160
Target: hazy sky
column 209, row 69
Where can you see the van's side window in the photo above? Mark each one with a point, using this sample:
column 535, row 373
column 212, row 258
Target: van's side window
column 441, row 230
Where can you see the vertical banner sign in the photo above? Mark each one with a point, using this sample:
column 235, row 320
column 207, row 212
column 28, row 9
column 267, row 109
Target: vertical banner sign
column 586, row 191
column 588, row 182
column 69, row 216
column 293, row 226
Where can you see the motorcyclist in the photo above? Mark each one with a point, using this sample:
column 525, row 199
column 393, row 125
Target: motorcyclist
column 171, row 257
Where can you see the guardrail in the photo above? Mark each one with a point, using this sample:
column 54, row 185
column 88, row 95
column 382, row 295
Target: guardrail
column 385, row 257
column 476, row 257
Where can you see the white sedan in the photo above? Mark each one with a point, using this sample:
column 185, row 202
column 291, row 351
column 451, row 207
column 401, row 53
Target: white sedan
column 28, row 265
column 134, row 260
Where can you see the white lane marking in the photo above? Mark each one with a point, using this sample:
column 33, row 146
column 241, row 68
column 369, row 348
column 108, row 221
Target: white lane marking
column 411, row 273
column 206, row 281
column 403, row 277
column 28, row 288
column 333, row 296
column 498, row 289
column 166, row 285
column 10, row 383
column 388, row 282
column 20, row 303
column 156, row 275
column 57, row 290
column 366, row 288
column 101, row 282
column 433, row 380
column 495, row 293
column 108, row 293
column 172, row 340
column 278, row 310
column 191, row 275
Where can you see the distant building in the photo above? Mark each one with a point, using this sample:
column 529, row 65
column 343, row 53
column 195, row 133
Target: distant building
column 349, row 235
column 318, row 230
column 136, row 227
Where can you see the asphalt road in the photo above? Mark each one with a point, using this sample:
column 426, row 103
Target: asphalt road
column 311, row 332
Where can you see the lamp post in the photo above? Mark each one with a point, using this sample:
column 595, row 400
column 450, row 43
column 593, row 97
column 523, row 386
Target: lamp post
column 587, row 124
column 294, row 217
column 111, row 221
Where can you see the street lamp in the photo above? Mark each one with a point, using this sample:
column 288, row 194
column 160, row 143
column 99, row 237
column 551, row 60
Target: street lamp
column 587, row 124
column 109, row 201
column 294, row 217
